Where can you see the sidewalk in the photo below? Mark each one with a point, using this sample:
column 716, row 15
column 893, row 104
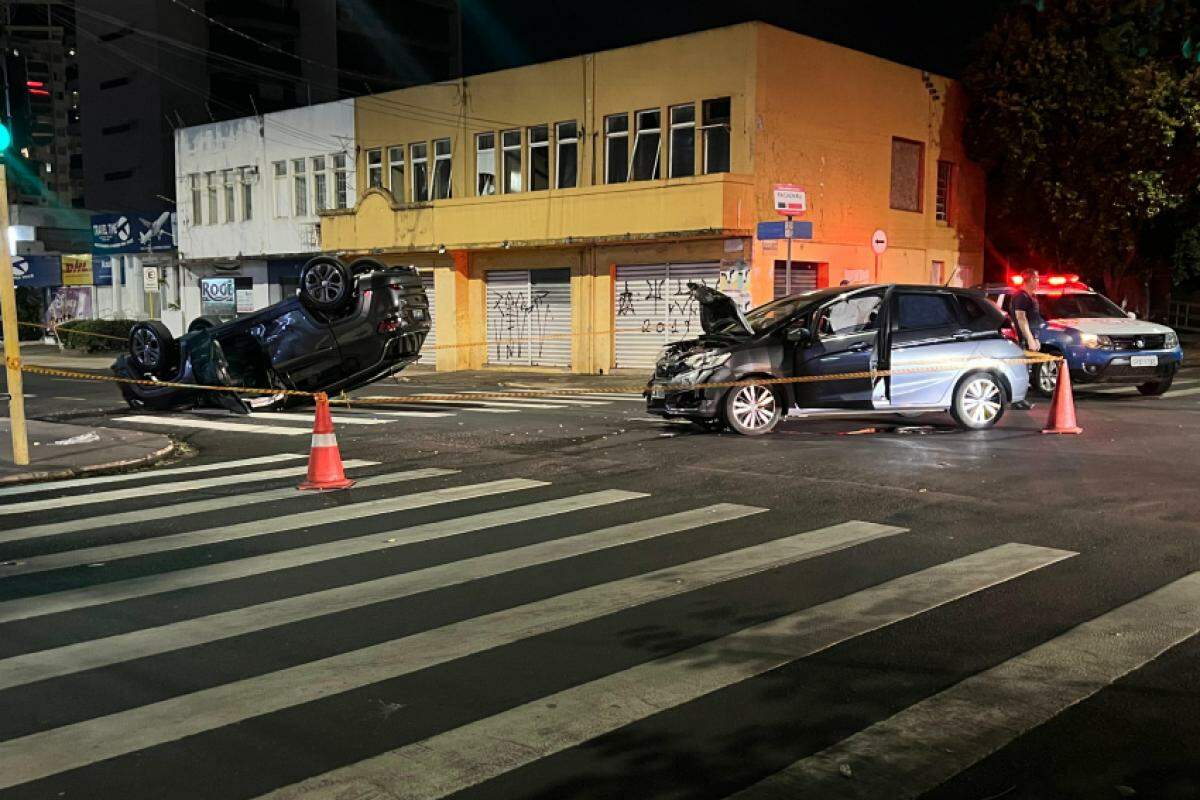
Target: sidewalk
column 48, row 355
column 504, row 379
column 58, row 450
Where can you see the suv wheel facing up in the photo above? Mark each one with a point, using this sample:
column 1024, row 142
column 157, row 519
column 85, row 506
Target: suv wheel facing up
column 978, row 401
column 753, row 410
column 325, row 284
column 152, row 348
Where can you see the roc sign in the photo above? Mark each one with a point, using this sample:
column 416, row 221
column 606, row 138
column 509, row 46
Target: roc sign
column 790, row 200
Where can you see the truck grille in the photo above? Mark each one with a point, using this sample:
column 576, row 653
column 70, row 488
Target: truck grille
column 1151, row 341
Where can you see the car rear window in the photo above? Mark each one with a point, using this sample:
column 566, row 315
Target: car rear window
column 923, row 311
column 972, row 307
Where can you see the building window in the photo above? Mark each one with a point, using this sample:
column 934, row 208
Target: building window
column 280, row 187
column 716, row 135
column 341, row 181
column 567, row 162
column 539, row 157
column 441, row 169
column 396, row 173
column 485, row 164
column 616, row 148
column 375, row 169
column 646, row 145
column 197, row 200
column 511, row 143
column 211, row 187
column 247, row 193
column 907, row 160
column 300, row 187
column 419, row 156
column 320, row 184
column 945, row 191
column 683, row 141
column 230, row 192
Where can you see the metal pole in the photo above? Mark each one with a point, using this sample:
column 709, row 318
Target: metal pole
column 788, row 273
column 12, row 341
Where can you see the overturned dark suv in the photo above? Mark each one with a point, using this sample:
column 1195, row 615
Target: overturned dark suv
column 346, row 327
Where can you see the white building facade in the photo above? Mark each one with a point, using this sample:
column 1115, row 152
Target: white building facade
column 248, row 192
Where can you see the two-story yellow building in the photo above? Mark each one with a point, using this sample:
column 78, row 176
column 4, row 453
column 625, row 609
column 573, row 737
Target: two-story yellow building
column 559, row 210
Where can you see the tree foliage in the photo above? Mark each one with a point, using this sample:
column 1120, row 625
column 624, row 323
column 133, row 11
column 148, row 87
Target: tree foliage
column 1086, row 114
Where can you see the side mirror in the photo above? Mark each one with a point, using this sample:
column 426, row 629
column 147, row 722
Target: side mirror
column 1131, row 314
column 800, row 336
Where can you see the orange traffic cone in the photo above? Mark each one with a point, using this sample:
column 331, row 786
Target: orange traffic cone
column 325, row 470
column 1062, row 407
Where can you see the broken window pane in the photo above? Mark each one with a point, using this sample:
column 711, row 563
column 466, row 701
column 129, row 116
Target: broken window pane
column 616, row 153
column 511, row 142
column 539, row 157
column 396, row 173
column 907, row 157
column 485, row 163
column 646, row 145
column 441, row 169
column 419, row 156
column 683, row 141
column 716, row 135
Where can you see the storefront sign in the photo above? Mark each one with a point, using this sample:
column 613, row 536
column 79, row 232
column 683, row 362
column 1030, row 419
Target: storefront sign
column 244, row 299
column 77, row 270
column 37, row 270
column 217, row 297
column 102, row 271
column 133, row 233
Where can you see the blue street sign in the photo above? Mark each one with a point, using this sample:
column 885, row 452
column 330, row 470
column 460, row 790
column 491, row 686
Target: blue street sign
column 801, row 229
column 132, row 233
column 37, row 270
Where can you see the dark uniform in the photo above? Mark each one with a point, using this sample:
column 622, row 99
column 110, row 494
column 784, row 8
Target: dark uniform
column 1025, row 301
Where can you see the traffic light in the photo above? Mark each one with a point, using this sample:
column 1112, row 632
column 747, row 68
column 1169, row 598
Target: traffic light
column 5, row 138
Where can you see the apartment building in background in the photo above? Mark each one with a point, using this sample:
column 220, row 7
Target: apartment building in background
column 559, row 210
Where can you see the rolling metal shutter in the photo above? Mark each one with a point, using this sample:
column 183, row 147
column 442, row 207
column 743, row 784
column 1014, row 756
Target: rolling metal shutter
column 804, row 278
column 529, row 317
column 428, row 350
column 653, row 307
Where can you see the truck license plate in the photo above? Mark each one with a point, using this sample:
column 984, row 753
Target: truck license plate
column 1143, row 361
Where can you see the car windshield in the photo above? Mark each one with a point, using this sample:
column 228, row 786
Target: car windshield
column 1075, row 306
column 771, row 314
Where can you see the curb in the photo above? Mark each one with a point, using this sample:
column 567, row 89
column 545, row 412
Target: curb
column 73, row 472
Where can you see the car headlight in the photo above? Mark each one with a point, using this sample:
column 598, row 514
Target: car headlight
column 1095, row 341
column 1171, row 341
column 706, row 360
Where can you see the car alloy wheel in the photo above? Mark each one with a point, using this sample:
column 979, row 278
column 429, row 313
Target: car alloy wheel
column 324, row 283
column 754, row 408
column 1047, row 377
column 146, row 348
column 981, row 401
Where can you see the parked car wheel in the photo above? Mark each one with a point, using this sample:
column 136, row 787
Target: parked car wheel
column 325, row 284
column 204, row 323
column 978, row 401
column 1155, row 388
column 152, row 348
column 1044, row 378
column 753, row 410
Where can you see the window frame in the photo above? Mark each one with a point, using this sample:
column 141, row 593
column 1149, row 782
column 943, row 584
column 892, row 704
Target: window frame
column 505, row 149
column 299, row 187
column 320, row 183
column 197, row 198
column 210, row 185
column 375, row 170
column 559, row 142
column 609, row 137
column 707, row 128
column 341, row 181
column 229, row 195
column 281, row 189
column 530, row 146
column 920, row 189
column 247, row 199
column 423, row 162
column 943, row 196
column 438, row 159
column 639, row 131
column 690, row 127
column 398, row 192
column 480, row 151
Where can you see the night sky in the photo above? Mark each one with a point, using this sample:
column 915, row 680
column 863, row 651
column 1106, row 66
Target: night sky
column 932, row 34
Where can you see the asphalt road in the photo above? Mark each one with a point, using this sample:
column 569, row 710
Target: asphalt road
column 553, row 599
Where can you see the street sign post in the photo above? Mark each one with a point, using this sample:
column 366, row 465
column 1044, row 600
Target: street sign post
column 790, row 200
column 879, row 244
column 789, row 229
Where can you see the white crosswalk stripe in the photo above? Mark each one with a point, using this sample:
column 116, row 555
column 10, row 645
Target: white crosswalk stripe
column 179, row 421
column 160, row 489
column 72, row 746
column 902, row 756
column 89, row 655
column 221, row 503
column 130, row 477
column 928, row 743
column 465, row 756
column 102, row 554
column 283, row 416
column 467, row 404
column 547, row 400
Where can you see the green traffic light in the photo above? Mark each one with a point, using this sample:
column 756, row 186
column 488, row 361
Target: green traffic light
column 5, row 137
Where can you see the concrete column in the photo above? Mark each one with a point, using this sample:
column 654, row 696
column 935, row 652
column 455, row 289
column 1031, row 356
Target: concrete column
column 456, row 325
column 118, row 305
